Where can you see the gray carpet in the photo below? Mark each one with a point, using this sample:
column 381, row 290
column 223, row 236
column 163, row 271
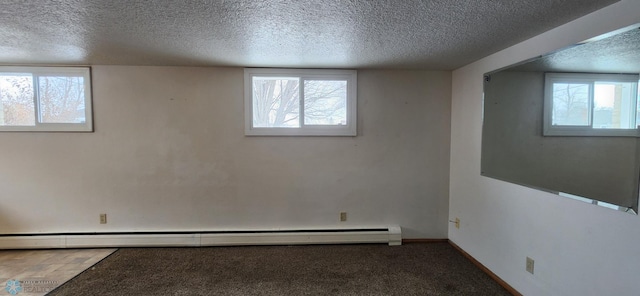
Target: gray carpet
column 412, row 269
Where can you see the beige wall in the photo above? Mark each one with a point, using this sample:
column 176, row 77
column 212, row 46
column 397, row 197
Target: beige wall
column 168, row 154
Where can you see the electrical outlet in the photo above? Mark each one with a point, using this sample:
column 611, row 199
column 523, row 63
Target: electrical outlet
column 343, row 216
column 529, row 267
column 457, row 223
column 103, row 218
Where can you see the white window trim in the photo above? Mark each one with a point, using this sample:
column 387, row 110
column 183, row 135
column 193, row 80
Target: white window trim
column 587, row 131
column 350, row 129
column 85, row 72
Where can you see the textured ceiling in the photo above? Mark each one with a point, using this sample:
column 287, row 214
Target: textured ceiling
column 435, row 34
column 616, row 54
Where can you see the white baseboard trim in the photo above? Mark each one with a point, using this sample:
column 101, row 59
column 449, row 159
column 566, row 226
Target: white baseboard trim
column 133, row 240
column 390, row 235
column 32, row 242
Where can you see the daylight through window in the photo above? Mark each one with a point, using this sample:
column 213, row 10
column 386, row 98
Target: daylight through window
column 45, row 99
column 290, row 102
column 591, row 104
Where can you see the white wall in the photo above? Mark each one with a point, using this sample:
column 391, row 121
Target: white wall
column 579, row 249
column 169, row 154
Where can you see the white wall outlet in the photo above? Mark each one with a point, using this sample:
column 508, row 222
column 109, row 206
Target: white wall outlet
column 343, row 216
column 103, row 218
column 457, row 223
column 529, row 266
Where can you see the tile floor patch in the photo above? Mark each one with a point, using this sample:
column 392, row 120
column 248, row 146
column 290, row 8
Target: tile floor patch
column 40, row 271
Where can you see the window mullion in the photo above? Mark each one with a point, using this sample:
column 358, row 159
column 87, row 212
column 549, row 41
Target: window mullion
column 301, row 101
column 36, row 98
column 634, row 100
column 592, row 103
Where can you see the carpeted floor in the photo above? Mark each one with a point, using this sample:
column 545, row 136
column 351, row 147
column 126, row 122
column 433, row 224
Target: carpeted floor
column 412, row 269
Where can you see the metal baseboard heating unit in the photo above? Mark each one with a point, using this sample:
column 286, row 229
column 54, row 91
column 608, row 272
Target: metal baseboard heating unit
column 390, row 235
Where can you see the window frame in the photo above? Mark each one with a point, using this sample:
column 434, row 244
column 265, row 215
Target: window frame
column 587, row 130
column 35, row 72
column 349, row 129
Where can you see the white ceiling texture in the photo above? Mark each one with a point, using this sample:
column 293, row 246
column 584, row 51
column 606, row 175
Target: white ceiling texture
column 409, row 34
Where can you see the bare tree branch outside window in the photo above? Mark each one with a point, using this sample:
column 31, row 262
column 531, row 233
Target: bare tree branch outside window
column 60, row 99
column 16, row 100
column 325, row 102
column 570, row 104
column 300, row 102
column 276, row 102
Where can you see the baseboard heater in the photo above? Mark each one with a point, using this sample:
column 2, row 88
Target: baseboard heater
column 390, row 235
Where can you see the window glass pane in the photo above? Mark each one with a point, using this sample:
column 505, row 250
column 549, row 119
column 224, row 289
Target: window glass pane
column 16, row 100
column 276, row 102
column 325, row 102
column 61, row 99
column 570, row 104
column 614, row 105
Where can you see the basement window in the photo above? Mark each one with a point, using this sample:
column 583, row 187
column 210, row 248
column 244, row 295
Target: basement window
column 591, row 105
column 45, row 99
column 298, row 102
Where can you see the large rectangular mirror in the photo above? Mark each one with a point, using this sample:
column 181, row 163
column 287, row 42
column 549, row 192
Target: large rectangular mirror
column 567, row 122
